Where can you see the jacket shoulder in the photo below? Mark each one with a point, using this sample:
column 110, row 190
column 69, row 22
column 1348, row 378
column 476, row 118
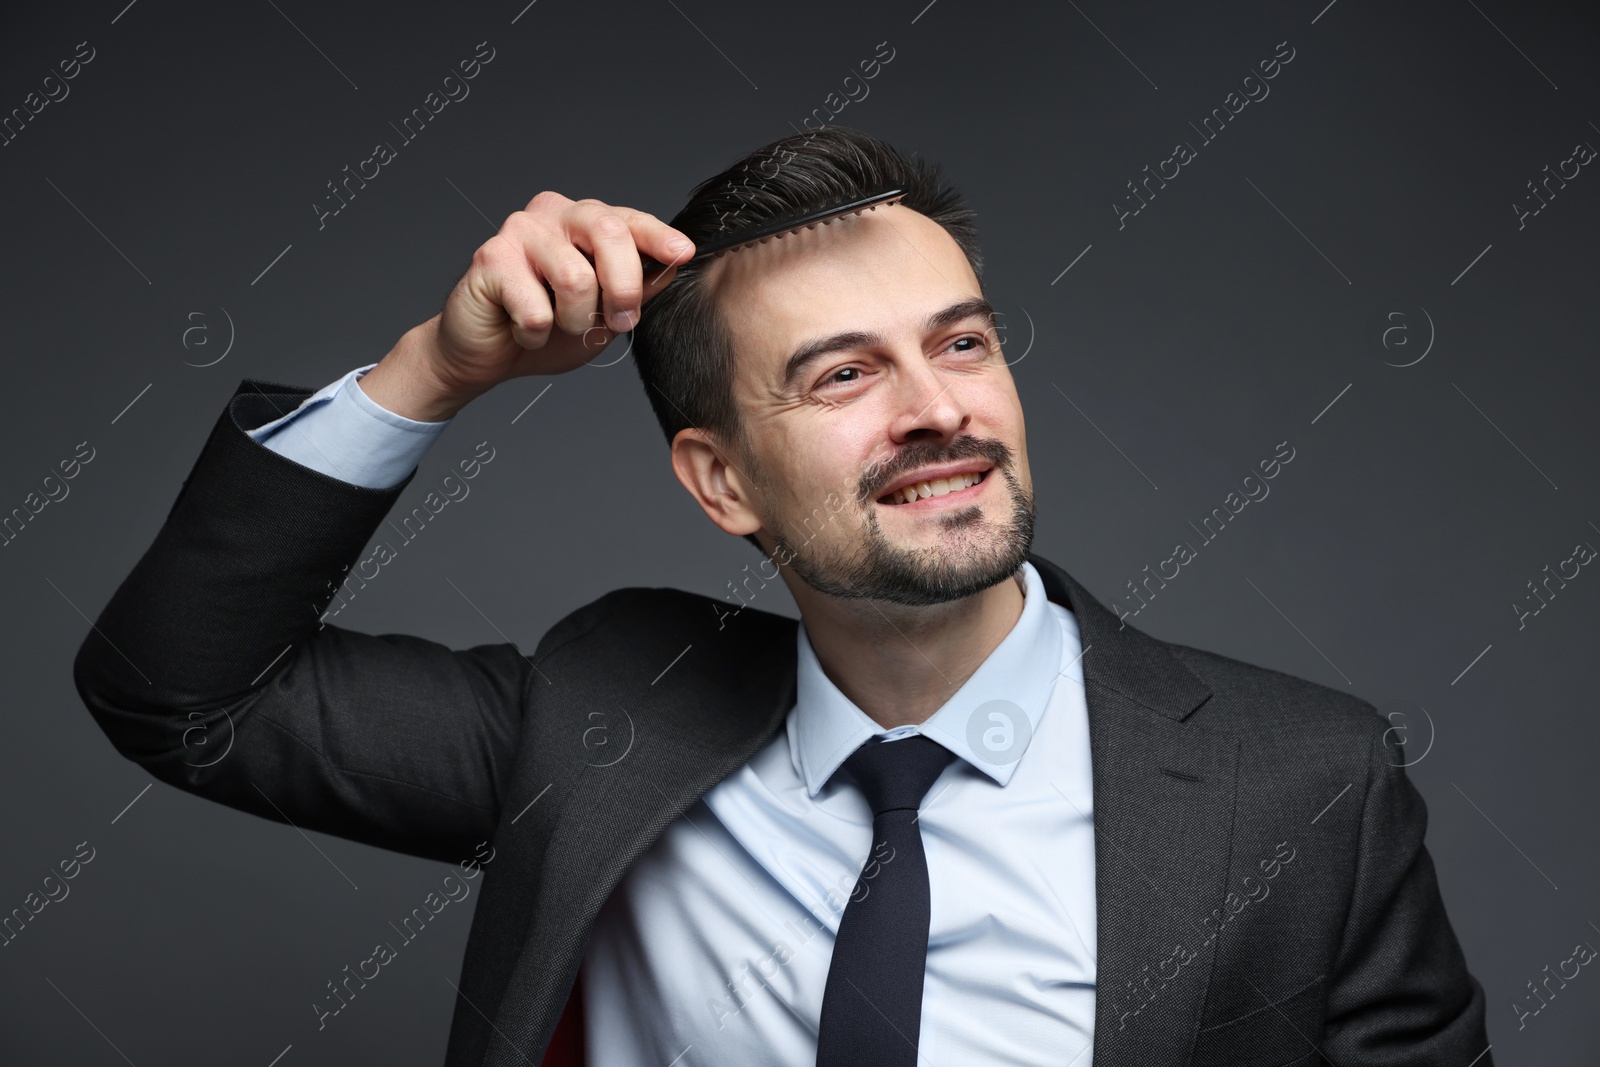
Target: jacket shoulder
column 642, row 616
column 1253, row 698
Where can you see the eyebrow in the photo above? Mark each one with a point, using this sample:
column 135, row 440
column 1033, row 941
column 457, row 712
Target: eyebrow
column 811, row 351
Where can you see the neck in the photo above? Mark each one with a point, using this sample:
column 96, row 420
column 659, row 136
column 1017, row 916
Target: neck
column 901, row 664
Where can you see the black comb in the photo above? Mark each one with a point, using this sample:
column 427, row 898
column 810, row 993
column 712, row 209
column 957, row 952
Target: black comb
column 781, row 227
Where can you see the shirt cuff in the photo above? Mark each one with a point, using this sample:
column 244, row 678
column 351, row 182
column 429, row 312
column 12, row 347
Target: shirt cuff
column 342, row 432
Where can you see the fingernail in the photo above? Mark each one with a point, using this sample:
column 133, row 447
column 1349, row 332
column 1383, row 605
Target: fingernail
column 622, row 321
column 679, row 245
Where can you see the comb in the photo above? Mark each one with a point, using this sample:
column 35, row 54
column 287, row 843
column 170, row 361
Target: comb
column 780, row 228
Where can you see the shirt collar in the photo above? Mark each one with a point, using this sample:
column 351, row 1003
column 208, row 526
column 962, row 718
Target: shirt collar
column 988, row 722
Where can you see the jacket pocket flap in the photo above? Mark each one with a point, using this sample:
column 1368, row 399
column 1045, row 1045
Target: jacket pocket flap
column 1270, row 1036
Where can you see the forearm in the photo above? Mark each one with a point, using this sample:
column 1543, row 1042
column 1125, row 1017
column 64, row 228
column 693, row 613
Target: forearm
column 210, row 666
column 248, row 558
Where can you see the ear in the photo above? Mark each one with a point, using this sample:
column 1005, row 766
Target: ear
column 721, row 488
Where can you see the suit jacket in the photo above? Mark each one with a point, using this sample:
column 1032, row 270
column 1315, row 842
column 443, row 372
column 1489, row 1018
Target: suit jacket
column 1263, row 889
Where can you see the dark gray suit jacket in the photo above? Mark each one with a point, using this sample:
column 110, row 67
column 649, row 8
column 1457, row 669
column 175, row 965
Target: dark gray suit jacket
column 1263, row 889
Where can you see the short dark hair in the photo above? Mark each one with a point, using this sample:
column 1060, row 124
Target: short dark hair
column 682, row 346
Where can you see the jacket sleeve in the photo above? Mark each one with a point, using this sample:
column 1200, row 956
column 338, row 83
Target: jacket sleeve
column 1401, row 992
column 210, row 668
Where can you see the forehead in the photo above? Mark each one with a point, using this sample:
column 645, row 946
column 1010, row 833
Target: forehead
column 883, row 270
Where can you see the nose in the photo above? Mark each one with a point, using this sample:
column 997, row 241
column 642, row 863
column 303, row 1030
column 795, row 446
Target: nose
column 926, row 404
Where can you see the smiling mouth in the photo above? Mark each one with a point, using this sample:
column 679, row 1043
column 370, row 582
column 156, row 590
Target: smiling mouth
column 936, row 487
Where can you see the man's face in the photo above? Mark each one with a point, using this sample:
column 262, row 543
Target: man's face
column 867, row 362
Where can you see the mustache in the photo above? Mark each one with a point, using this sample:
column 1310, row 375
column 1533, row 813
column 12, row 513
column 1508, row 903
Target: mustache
column 913, row 456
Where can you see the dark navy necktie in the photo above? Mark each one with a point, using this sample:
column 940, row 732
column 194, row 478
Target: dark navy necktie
column 872, row 1004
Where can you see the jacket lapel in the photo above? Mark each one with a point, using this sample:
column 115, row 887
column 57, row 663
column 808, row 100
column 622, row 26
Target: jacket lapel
column 1163, row 816
column 687, row 728
column 1163, row 795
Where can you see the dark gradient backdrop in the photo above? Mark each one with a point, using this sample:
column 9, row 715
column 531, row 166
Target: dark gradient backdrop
column 1354, row 265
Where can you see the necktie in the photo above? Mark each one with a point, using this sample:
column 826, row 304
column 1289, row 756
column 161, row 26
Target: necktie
column 872, row 1003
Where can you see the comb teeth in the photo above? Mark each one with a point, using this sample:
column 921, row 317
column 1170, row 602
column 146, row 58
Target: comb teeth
column 808, row 220
column 829, row 221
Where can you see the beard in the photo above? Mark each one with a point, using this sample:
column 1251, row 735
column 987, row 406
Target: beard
column 972, row 553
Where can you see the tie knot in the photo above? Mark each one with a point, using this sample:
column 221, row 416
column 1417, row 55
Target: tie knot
column 897, row 774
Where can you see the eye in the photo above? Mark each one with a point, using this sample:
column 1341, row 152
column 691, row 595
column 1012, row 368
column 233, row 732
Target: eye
column 834, row 379
column 978, row 339
column 978, row 342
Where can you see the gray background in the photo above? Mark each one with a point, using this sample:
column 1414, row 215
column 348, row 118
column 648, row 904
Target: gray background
column 1247, row 298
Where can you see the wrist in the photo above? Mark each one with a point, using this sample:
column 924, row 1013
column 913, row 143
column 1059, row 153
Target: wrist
column 407, row 382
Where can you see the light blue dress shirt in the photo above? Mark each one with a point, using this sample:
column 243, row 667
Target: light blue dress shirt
column 714, row 948
column 341, row 431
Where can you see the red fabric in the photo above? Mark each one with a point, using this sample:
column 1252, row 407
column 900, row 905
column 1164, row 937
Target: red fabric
column 566, row 1044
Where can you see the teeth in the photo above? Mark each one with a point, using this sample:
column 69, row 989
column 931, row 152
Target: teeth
column 937, row 487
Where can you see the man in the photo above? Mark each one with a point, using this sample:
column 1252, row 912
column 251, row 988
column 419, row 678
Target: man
column 960, row 814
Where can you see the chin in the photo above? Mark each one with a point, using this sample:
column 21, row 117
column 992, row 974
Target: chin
column 962, row 553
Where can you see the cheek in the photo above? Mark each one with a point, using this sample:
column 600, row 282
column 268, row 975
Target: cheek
column 829, row 461
column 1008, row 416
column 789, row 477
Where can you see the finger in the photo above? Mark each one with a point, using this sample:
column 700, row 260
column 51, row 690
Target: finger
column 659, row 241
column 655, row 238
column 617, row 261
column 507, row 279
column 664, row 244
column 567, row 273
column 604, row 233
